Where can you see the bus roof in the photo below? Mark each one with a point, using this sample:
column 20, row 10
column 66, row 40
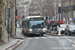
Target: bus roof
column 33, row 17
column 28, row 17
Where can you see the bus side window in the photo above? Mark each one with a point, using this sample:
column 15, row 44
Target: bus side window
column 23, row 24
column 26, row 24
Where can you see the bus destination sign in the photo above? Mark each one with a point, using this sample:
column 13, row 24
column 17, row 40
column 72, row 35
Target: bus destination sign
column 37, row 19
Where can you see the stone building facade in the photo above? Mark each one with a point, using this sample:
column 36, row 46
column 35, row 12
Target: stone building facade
column 68, row 8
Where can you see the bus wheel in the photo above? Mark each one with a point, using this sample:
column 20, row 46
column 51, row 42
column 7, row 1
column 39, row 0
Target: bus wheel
column 41, row 34
column 22, row 32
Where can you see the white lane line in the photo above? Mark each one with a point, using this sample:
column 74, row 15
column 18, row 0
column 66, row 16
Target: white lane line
column 29, row 38
column 68, row 39
column 36, row 38
column 73, row 45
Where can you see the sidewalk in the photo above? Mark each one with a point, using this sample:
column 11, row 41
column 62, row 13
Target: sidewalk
column 12, row 43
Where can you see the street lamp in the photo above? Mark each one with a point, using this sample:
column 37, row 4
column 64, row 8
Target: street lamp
column 9, row 20
column 15, row 17
column 59, row 11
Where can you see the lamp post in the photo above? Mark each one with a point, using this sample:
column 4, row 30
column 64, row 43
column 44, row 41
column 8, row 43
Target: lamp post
column 9, row 20
column 59, row 11
column 15, row 17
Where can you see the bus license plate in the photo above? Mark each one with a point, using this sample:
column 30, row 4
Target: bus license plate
column 37, row 33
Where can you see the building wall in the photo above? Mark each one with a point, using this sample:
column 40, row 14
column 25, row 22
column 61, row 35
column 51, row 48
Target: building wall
column 68, row 12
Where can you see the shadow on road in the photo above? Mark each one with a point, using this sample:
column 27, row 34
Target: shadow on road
column 33, row 36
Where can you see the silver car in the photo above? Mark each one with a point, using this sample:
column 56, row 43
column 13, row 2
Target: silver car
column 62, row 28
column 70, row 29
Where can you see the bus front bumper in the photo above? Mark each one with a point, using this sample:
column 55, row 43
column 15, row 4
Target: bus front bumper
column 37, row 33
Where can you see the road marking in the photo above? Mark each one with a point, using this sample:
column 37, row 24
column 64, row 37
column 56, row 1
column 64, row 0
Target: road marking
column 36, row 37
column 73, row 45
column 68, row 36
column 30, row 38
column 57, row 37
column 50, row 37
column 68, row 39
column 43, row 37
column 72, row 37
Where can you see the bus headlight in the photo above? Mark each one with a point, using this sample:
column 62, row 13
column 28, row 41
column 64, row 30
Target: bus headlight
column 44, row 29
column 30, row 30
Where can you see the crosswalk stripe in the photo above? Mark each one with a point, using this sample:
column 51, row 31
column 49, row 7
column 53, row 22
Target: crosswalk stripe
column 71, row 37
column 58, row 37
column 30, row 38
column 36, row 37
column 43, row 37
column 49, row 37
column 68, row 37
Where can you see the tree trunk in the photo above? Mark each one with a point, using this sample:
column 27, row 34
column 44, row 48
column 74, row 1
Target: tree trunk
column 2, row 22
column 13, row 18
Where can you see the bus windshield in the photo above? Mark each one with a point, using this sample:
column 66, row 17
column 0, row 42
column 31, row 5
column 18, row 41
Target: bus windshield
column 36, row 24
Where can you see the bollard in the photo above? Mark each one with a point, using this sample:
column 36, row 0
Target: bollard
column 59, row 31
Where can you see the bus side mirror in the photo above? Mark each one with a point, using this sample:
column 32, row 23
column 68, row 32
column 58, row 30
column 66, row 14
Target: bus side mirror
column 45, row 21
column 28, row 24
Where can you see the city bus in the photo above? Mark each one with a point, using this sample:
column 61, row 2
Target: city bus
column 33, row 25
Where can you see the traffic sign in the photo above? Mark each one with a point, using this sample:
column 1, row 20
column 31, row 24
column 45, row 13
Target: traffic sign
column 74, row 18
column 7, row 11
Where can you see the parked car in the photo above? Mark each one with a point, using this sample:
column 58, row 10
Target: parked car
column 70, row 29
column 62, row 28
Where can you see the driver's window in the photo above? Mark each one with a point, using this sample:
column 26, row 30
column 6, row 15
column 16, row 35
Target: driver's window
column 67, row 27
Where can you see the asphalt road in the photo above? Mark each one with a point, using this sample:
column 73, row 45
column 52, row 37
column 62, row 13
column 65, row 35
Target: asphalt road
column 47, row 42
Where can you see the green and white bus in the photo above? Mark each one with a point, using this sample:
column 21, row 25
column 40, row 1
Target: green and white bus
column 34, row 25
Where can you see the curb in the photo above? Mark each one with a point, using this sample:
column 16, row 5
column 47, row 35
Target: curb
column 12, row 45
column 54, row 35
column 8, row 45
column 19, row 37
column 15, row 45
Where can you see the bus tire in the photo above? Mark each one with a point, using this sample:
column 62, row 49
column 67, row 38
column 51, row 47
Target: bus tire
column 41, row 34
column 22, row 32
